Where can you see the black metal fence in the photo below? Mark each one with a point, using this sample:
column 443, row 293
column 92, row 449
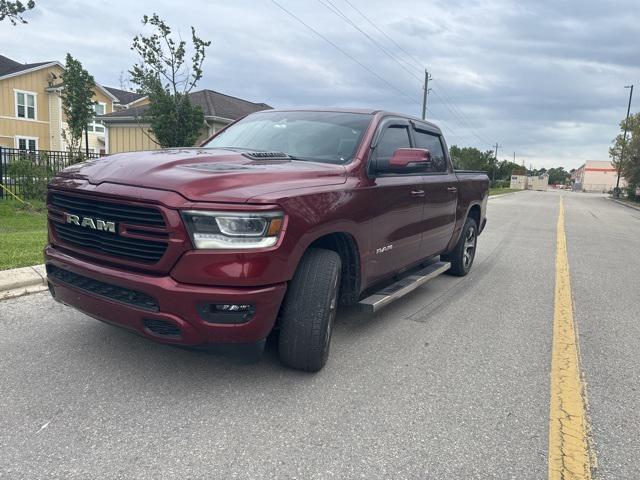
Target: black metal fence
column 25, row 173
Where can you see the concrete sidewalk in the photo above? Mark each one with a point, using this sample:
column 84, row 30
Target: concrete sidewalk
column 21, row 281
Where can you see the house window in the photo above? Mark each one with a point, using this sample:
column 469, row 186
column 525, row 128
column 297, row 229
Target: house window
column 26, row 105
column 27, row 143
column 99, row 108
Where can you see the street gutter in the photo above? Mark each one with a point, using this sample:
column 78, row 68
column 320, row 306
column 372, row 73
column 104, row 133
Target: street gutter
column 626, row 204
column 22, row 281
column 504, row 194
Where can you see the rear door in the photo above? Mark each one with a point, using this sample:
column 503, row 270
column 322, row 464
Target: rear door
column 440, row 186
column 397, row 201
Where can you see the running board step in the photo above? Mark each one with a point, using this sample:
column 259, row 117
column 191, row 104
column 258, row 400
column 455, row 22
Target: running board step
column 403, row 286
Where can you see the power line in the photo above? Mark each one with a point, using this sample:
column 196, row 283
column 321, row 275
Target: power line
column 372, row 23
column 462, row 119
column 333, row 8
column 345, row 53
column 455, row 111
column 456, row 108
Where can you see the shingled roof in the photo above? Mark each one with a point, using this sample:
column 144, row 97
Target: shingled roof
column 124, row 97
column 213, row 104
column 8, row 66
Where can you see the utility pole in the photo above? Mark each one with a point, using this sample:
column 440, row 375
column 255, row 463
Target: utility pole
column 427, row 77
column 496, row 163
column 617, row 191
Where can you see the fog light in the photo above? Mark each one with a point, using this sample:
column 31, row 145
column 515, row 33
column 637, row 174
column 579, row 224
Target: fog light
column 226, row 312
column 231, row 307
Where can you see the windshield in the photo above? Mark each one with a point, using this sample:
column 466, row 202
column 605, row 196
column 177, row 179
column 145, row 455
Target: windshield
column 329, row 137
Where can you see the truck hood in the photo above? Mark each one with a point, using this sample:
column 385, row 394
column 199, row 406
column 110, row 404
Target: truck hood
column 207, row 175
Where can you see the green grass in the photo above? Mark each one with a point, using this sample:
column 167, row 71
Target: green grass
column 500, row 191
column 23, row 233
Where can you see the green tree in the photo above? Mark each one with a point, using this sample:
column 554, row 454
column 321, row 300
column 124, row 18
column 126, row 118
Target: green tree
column 625, row 153
column 558, row 175
column 77, row 103
column 470, row 158
column 166, row 77
column 506, row 169
column 14, row 10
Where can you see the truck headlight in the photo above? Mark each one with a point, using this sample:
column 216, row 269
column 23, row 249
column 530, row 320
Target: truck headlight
column 232, row 230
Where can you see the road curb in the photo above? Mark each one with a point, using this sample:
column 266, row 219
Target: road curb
column 22, row 281
column 626, row 204
column 504, row 194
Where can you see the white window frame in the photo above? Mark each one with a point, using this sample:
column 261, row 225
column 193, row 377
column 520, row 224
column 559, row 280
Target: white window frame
column 23, row 137
column 91, row 127
column 26, row 109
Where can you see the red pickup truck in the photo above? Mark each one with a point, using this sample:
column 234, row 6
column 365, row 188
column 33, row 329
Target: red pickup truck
column 270, row 224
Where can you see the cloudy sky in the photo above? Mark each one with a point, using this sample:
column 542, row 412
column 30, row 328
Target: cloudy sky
column 544, row 79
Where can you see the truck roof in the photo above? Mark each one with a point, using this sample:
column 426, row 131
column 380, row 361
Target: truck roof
column 368, row 111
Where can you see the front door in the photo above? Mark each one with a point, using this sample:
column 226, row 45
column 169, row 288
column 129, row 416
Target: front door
column 397, row 202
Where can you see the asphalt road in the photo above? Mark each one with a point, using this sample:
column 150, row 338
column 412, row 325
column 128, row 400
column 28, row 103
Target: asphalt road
column 450, row 382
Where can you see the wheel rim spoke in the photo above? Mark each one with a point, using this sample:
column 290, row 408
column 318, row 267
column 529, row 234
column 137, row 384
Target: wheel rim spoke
column 469, row 247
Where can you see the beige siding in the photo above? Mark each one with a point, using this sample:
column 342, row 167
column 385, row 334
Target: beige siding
column 55, row 121
column 32, row 82
column 140, row 102
column 49, row 122
column 130, row 138
column 10, row 125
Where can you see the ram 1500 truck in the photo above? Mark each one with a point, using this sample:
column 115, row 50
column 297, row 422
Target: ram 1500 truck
column 270, row 224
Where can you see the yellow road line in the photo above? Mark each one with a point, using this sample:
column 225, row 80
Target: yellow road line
column 569, row 455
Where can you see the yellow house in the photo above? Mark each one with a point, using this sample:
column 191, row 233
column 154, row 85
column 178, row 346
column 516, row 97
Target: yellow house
column 126, row 130
column 31, row 116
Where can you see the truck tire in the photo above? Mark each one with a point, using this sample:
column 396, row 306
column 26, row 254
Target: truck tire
column 461, row 257
column 309, row 310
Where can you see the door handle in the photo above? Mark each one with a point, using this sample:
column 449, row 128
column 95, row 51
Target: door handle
column 417, row 193
column 452, row 189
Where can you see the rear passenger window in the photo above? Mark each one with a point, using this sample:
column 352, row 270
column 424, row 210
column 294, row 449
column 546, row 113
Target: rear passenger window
column 393, row 138
column 432, row 143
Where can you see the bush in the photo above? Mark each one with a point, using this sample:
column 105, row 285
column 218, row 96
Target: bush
column 30, row 175
column 501, row 184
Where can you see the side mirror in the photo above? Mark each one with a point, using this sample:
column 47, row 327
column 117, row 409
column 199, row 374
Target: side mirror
column 403, row 158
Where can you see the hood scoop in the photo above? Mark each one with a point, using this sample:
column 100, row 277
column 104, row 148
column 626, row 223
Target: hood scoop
column 218, row 167
column 267, row 155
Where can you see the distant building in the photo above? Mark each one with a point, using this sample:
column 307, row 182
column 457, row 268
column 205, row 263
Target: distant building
column 519, row 182
column 596, row 177
column 128, row 132
column 539, row 182
column 31, row 114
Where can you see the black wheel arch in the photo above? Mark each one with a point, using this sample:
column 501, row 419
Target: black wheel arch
column 345, row 245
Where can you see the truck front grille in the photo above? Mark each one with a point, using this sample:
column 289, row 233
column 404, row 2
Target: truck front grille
column 137, row 249
column 110, row 244
column 102, row 289
column 91, row 207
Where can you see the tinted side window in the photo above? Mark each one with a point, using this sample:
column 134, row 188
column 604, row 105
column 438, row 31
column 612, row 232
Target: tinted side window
column 432, row 143
column 394, row 137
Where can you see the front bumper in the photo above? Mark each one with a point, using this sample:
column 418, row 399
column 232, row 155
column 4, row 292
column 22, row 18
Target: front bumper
column 177, row 305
